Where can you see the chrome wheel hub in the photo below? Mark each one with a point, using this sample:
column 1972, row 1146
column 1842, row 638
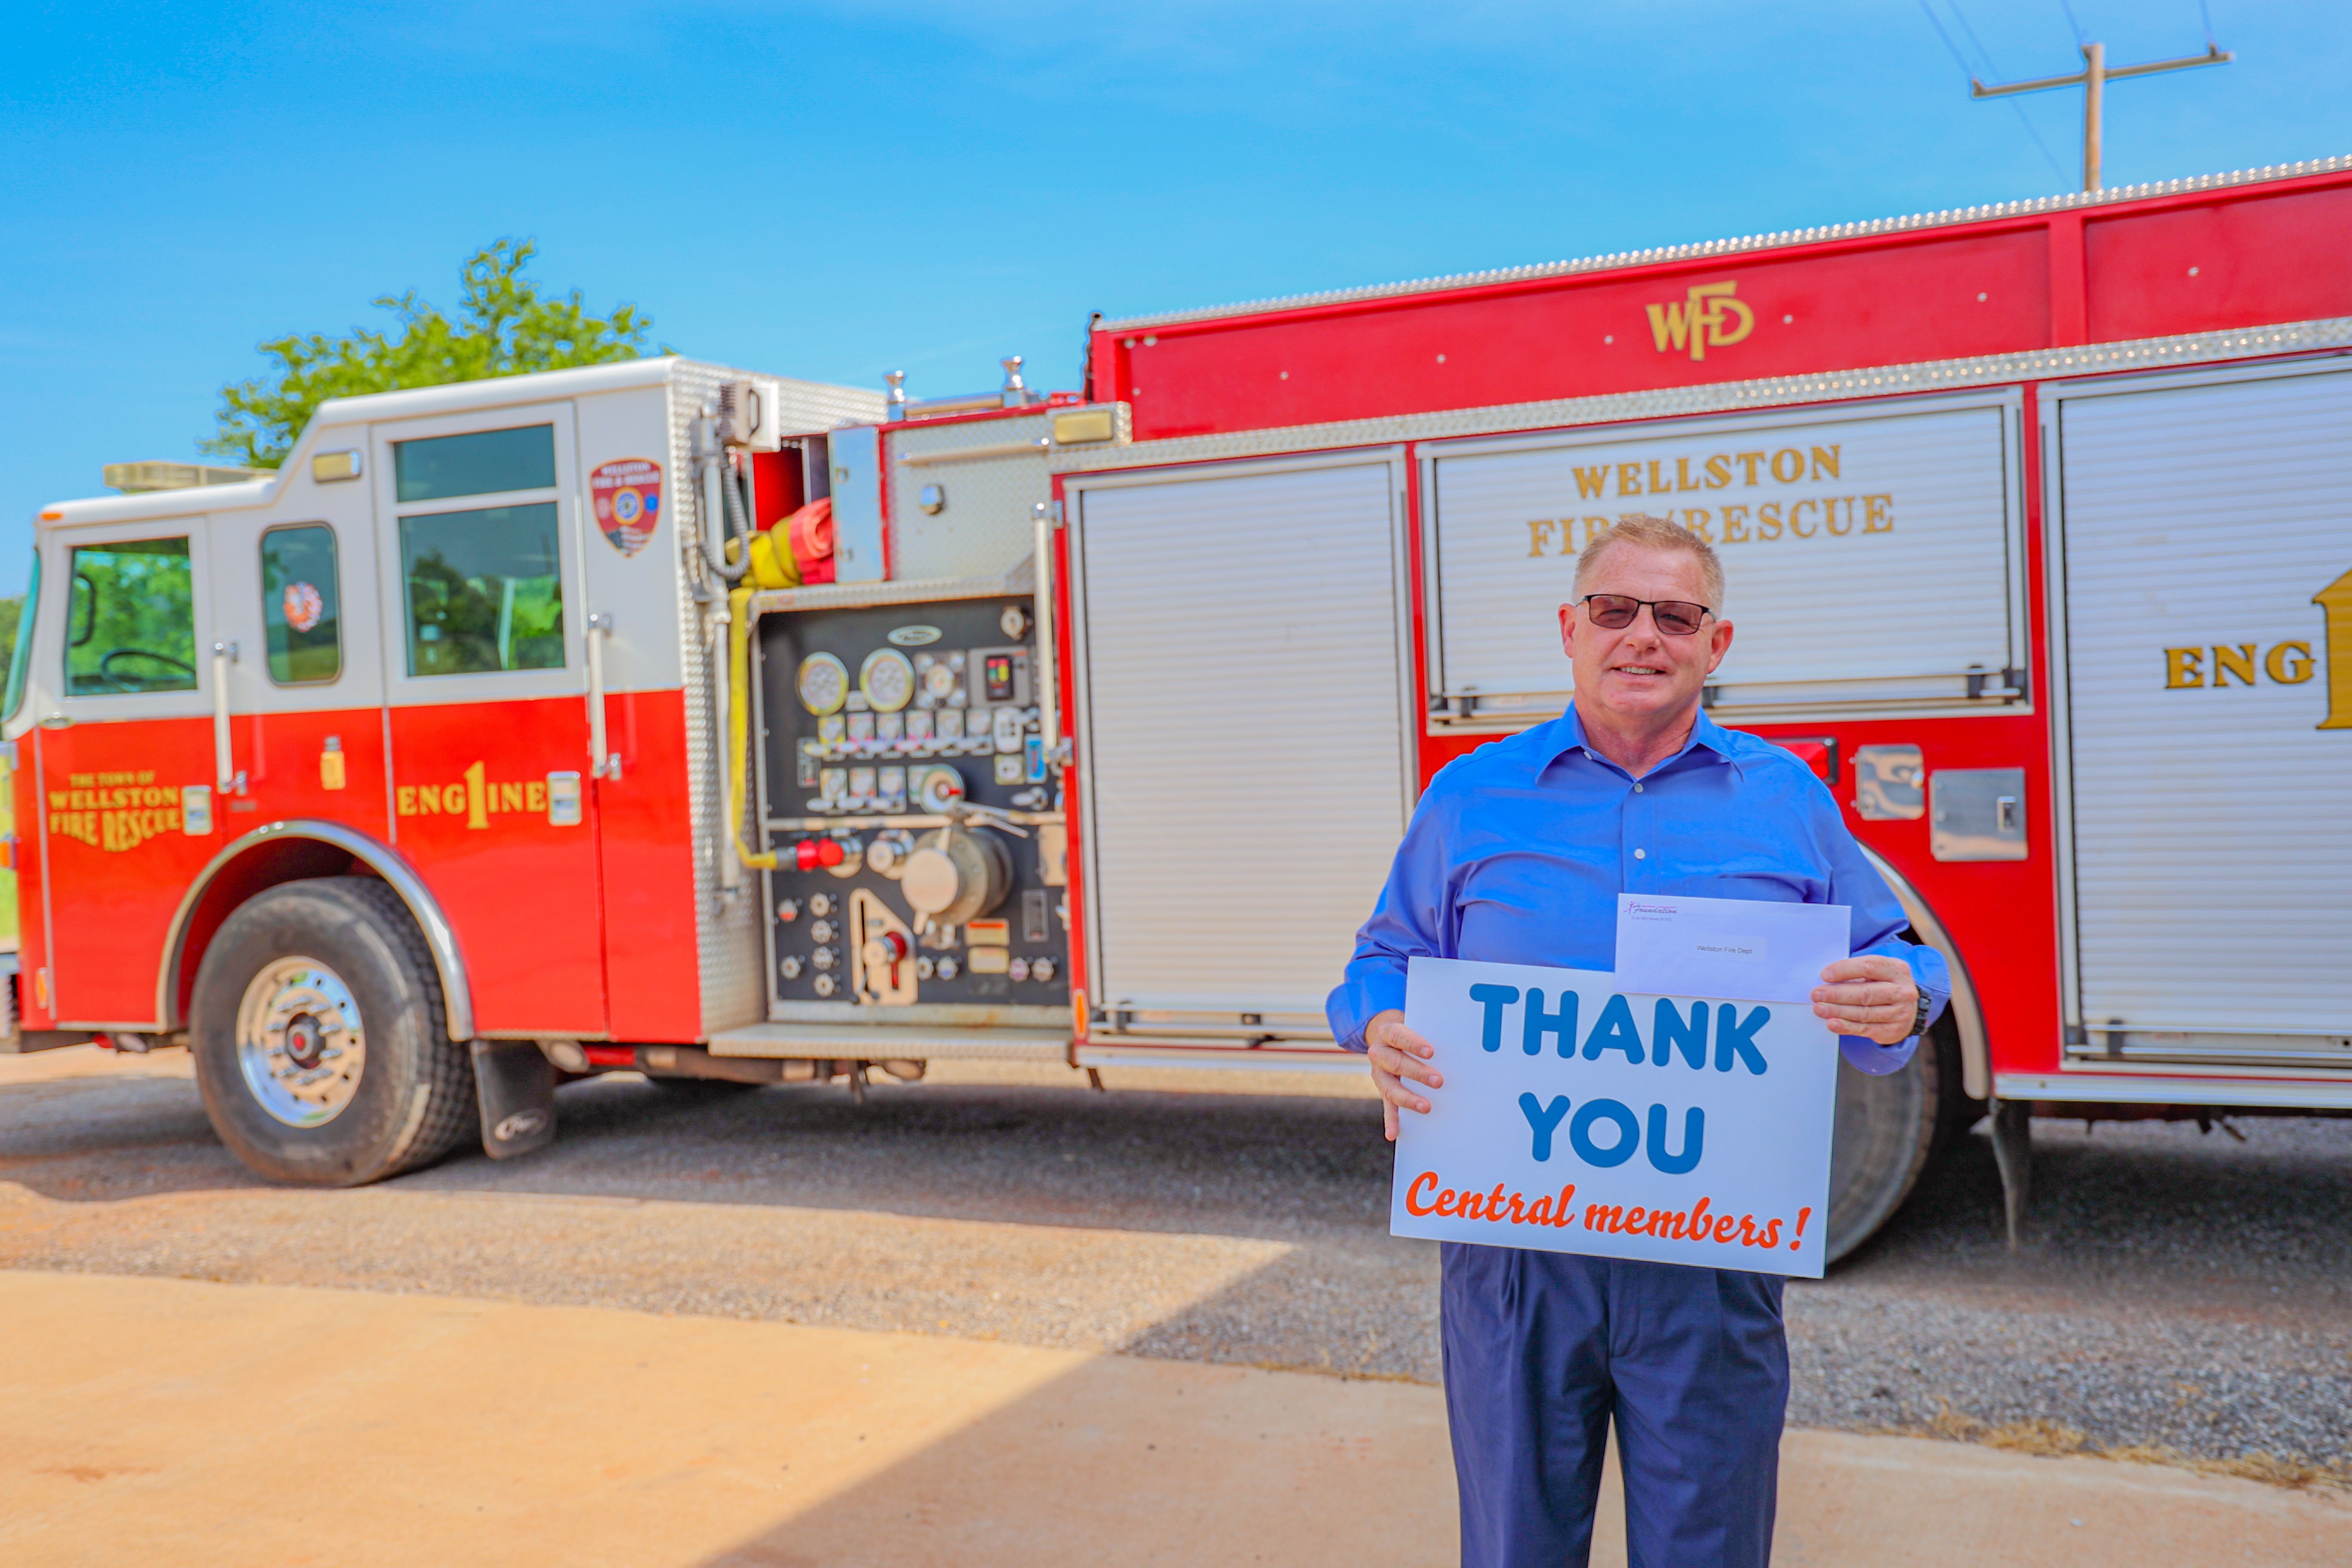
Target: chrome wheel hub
column 300, row 1042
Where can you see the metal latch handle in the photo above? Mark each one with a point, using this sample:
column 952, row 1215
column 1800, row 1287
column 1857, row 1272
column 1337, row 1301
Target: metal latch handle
column 224, row 770
column 602, row 762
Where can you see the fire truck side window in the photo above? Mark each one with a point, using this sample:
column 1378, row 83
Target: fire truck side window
column 478, row 463
column 483, row 590
column 302, row 604
column 131, row 618
column 20, row 657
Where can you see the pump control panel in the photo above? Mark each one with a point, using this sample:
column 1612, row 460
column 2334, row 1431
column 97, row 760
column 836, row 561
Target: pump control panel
column 916, row 823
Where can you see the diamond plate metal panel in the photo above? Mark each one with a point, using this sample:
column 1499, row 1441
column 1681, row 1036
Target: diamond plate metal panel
column 1719, row 398
column 1946, row 218
column 813, row 405
column 988, row 520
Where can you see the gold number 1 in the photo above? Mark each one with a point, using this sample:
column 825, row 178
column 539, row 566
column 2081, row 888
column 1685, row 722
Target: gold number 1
column 2337, row 600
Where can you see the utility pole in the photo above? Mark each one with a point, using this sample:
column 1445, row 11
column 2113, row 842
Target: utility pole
column 2093, row 79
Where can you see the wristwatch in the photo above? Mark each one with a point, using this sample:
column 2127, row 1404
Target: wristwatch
column 1919, row 1018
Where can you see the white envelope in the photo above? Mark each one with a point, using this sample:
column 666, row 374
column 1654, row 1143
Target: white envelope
column 1669, row 945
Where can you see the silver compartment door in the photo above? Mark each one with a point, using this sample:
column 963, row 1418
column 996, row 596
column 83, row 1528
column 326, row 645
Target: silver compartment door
column 2211, row 843
column 1890, row 534
column 1241, row 645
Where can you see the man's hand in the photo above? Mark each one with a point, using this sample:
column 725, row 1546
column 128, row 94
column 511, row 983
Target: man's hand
column 1874, row 996
column 1398, row 1053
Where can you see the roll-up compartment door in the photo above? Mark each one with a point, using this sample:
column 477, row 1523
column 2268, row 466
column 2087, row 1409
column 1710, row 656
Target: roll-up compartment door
column 1242, row 655
column 1872, row 561
column 2207, row 573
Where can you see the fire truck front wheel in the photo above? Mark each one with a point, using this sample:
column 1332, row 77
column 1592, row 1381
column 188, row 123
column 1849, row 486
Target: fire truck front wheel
column 1887, row 1128
column 319, row 1038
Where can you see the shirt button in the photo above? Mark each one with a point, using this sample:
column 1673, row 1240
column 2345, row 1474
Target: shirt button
column 1637, row 789
column 1641, row 855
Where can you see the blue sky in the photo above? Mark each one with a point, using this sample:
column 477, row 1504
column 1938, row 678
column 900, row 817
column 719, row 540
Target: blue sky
column 832, row 191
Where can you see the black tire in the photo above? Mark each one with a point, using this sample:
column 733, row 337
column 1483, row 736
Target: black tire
column 408, row 1101
column 1887, row 1128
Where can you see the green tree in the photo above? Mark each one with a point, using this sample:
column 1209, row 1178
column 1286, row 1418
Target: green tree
column 504, row 327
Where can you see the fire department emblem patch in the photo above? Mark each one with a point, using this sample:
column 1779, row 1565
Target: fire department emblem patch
column 627, row 493
column 303, row 607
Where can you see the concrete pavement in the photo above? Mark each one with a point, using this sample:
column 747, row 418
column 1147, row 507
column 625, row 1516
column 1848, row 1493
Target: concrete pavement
column 157, row 1420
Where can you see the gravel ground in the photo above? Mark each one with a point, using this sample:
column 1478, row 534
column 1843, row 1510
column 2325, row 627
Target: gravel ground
column 2178, row 1290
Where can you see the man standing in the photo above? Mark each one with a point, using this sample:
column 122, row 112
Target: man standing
column 1516, row 854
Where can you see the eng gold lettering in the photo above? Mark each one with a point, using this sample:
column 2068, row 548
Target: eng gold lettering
column 2290, row 663
column 2228, row 661
column 2183, row 668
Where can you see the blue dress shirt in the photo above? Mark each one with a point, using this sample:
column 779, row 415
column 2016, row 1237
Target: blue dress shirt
column 1518, row 850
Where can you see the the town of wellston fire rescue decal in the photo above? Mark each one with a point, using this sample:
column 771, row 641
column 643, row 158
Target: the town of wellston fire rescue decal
column 1577, row 1117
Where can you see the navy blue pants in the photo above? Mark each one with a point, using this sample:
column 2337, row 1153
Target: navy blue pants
column 1543, row 1348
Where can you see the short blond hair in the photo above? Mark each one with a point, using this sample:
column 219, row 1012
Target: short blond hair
column 1655, row 533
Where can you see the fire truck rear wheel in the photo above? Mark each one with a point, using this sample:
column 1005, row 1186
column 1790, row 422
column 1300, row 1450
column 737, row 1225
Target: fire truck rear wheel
column 321, row 1040
column 1887, row 1128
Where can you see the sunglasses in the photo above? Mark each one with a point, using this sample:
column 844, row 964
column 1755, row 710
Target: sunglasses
column 1615, row 612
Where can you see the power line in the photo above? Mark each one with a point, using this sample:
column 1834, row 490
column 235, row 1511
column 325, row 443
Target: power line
column 2067, row 7
column 1969, row 71
column 2093, row 79
column 2206, row 13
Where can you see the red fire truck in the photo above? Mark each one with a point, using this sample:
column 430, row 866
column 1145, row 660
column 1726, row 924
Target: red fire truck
column 707, row 724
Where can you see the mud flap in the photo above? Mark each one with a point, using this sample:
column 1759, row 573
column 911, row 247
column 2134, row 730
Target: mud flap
column 515, row 1084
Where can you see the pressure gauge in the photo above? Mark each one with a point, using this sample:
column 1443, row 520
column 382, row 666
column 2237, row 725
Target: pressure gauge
column 888, row 680
column 1014, row 621
column 824, row 683
column 938, row 681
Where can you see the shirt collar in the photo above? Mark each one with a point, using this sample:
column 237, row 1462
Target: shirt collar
column 1568, row 736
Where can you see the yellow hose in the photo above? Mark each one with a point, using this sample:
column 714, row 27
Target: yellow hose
column 739, row 724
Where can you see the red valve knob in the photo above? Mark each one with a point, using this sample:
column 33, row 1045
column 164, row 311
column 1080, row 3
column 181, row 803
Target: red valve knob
column 810, row 854
column 894, row 947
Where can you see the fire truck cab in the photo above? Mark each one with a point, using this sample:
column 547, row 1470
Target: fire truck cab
column 501, row 734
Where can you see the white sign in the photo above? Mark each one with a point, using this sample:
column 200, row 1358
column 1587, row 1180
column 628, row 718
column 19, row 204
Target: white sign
column 1579, row 1116
column 1729, row 947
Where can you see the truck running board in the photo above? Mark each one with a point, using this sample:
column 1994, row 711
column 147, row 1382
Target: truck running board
column 896, row 1042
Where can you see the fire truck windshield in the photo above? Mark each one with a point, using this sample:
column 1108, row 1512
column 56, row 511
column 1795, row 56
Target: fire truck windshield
column 133, row 619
